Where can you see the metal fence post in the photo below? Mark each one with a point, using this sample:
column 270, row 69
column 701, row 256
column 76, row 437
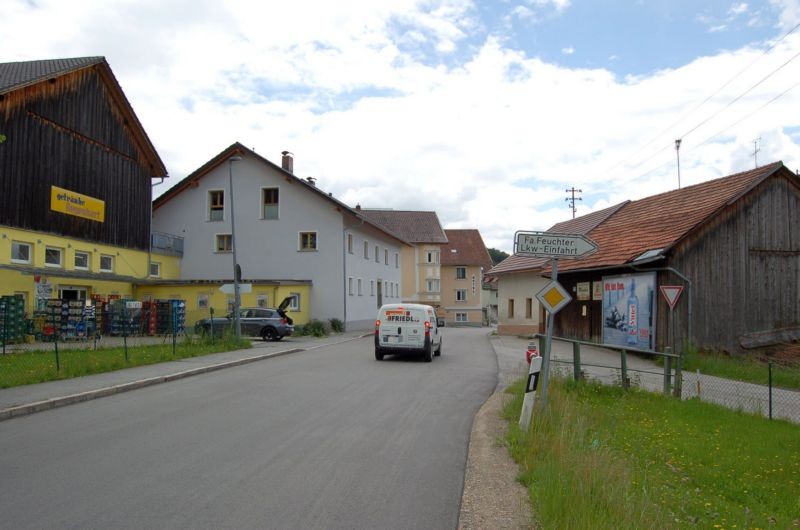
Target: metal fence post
column 667, row 369
column 624, row 368
column 770, row 390
column 55, row 339
column 678, row 386
column 576, row 360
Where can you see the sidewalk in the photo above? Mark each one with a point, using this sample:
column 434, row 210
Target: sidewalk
column 22, row 400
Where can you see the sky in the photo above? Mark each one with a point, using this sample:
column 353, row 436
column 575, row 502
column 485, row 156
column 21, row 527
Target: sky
column 486, row 112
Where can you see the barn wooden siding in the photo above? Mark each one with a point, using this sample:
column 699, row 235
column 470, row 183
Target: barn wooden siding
column 69, row 132
column 744, row 268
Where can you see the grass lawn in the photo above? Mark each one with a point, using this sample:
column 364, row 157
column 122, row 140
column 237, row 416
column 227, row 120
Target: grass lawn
column 784, row 375
column 600, row 457
column 25, row 368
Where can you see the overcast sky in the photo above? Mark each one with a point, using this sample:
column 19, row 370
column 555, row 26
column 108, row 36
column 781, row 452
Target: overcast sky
column 486, row 112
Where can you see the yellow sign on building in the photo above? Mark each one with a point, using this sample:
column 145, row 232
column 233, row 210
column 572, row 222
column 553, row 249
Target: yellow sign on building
column 76, row 204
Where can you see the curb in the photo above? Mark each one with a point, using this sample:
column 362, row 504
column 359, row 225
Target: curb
column 52, row 403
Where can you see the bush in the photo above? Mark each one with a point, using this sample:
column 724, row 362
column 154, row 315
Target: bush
column 337, row 325
column 315, row 328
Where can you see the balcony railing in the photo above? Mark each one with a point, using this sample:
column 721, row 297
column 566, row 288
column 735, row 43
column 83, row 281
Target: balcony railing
column 166, row 243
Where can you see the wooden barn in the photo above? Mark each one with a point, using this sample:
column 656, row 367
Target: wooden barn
column 66, row 123
column 76, row 173
column 729, row 248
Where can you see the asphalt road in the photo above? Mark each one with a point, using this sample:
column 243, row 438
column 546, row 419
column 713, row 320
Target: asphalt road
column 328, row 438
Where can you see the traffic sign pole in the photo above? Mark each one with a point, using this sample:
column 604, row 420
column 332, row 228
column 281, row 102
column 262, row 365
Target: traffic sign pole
column 548, row 343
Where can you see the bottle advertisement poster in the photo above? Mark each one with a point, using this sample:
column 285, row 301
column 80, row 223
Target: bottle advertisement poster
column 629, row 307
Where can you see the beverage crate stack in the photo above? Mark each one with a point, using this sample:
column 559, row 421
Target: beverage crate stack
column 90, row 320
column 150, row 317
column 74, row 326
column 99, row 304
column 124, row 319
column 12, row 319
column 170, row 311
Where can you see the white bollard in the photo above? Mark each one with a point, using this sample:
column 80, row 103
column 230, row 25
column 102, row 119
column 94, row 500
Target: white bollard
column 530, row 392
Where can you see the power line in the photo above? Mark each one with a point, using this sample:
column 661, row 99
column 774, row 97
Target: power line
column 717, row 91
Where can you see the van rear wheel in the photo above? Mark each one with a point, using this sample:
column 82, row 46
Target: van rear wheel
column 378, row 355
column 426, row 354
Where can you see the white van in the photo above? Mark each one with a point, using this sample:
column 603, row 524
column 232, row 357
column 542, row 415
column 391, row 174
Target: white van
column 408, row 329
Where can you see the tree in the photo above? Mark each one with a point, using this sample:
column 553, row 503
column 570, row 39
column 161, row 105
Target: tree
column 497, row 255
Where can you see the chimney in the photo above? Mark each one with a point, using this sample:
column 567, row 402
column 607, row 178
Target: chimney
column 311, row 180
column 287, row 162
column 358, row 206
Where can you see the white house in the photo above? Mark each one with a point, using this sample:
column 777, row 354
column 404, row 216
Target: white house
column 286, row 230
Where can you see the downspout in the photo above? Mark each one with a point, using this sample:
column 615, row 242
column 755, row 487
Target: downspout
column 344, row 276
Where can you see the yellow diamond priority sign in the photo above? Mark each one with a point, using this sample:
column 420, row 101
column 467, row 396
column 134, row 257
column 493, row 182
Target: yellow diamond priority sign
column 553, row 297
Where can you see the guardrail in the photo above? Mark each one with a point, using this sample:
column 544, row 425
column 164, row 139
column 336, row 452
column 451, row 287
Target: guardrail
column 668, row 357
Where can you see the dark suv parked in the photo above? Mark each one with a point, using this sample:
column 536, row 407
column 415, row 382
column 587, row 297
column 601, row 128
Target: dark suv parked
column 269, row 324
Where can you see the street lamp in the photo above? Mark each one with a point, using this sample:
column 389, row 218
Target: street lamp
column 237, row 323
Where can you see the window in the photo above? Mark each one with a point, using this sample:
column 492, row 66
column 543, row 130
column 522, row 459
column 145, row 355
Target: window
column 372, row 287
column 224, row 243
column 432, row 256
column 511, row 308
column 366, row 249
column 461, row 273
column 269, row 203
column 360, row 292
column 20, row 252
column 386, row 256
column 262, row 300
column 81, row 260
column 308, row 241
column 396, row 260
column 528, row 307
column 432, row 285
column 350, row 286
column 155, row 269
column 52, row 257
column 202, row 301
column 377, row 255
column 350, row 243
column 106, row 263
column 461, row 295
column 294, row 302
column 461, row 317
column 216, row 205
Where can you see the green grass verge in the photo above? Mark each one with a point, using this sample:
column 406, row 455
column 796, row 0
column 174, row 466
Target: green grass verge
column 599, row 457
column 25, row 368
column 743, row 369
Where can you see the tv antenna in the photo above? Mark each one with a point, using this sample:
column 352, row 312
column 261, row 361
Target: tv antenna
column 572, row 199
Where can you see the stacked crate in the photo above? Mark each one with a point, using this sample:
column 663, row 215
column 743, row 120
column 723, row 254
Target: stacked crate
column 150, row 317
column 12, row 319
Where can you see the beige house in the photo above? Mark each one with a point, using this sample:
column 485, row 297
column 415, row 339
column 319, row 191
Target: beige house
column 464, row 261
column 421, row 261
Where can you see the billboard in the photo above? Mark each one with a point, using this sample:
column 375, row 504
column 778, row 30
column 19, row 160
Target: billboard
column 629, row 310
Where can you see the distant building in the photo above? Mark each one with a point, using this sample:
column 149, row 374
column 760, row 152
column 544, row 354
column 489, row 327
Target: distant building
column 464, row 260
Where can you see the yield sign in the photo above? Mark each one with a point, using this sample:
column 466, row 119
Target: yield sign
column 671, row 294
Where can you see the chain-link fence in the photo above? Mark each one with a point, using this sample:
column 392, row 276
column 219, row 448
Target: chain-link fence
column 639, row 368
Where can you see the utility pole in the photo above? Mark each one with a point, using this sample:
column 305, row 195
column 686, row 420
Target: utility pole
column 756, row 149
column 572, row 199
column 678, row 153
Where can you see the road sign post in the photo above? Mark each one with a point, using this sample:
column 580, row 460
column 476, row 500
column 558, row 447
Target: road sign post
column 553, row 297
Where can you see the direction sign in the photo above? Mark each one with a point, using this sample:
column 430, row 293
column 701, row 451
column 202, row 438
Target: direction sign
column 552, row 245
column 671, row 294
column 553, row 297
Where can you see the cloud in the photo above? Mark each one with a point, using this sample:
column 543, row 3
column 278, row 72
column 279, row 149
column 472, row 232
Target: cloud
column 409, row 104
column 738, row 9
column 568, row 50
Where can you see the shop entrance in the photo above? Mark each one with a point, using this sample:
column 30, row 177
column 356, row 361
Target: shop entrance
column 66, row 292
